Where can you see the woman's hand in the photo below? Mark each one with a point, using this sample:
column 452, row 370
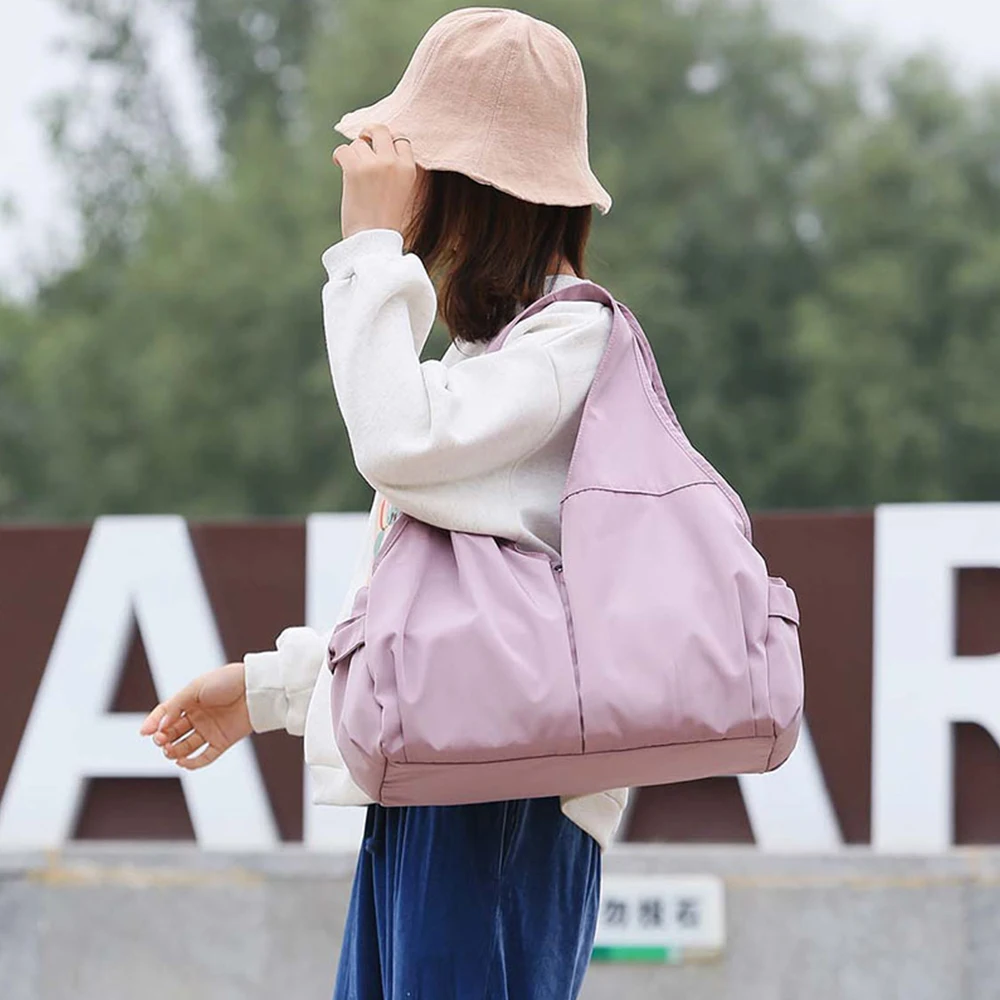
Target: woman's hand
column 211, row 712
column 380, row 182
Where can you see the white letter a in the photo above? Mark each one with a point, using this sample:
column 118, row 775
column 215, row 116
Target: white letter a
column 141, row 567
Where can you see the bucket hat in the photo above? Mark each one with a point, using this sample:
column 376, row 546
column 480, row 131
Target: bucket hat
column 499, row 96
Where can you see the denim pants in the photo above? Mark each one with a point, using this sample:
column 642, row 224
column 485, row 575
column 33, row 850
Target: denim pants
column 479, row 902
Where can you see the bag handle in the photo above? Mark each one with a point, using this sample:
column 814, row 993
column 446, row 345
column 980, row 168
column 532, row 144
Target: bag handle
column 589, row 291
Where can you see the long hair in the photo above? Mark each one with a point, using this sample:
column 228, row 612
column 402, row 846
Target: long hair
column 489, row 252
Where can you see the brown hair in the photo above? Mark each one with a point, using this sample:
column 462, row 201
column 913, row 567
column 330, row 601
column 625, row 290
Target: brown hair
column 488, row 251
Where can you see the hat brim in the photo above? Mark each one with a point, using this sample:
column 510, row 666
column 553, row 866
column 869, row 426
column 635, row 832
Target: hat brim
column 392, row 114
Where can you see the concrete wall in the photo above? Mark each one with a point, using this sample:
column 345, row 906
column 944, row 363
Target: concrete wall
column 118, row 921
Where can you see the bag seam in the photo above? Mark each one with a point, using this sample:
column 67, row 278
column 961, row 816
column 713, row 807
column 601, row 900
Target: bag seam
column 547, row 756
column 774, row 745
column 560, row 581
column 636, row 492
column 512, row 46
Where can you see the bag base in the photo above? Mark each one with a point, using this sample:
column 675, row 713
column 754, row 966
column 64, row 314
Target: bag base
column 401, row 784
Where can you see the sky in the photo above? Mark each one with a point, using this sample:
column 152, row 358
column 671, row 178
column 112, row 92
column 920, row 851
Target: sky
column 41, row 232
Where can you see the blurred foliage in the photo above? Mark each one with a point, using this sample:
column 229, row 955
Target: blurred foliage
column 814, row 256
column 253, row 55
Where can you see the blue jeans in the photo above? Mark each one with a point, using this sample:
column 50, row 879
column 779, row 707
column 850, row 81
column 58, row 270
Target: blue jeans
column 480, row 902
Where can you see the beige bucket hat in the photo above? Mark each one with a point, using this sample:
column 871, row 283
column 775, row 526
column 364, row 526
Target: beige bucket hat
column 499, row 96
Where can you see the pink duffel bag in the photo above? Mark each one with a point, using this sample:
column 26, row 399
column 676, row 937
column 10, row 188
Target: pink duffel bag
column 657, row 650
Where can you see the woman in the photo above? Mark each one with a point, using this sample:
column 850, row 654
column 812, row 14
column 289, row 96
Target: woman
column 475, row 169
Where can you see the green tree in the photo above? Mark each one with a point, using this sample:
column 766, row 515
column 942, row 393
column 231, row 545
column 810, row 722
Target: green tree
column 898, row 344
column 18, row 414
column 253, row 54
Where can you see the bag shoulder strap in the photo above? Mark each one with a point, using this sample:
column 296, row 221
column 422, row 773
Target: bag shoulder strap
column 588, row 291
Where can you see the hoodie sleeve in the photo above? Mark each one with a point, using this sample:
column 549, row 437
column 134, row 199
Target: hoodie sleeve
column 280, row 681
column 428, row 436
column 413, row 425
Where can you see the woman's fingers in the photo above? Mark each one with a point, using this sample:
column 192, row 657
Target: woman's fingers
column 211, row 709
column 381, row 139
column 173, row 731
column 379, row 182
column 363, row 152
column 344, row 156
column 152, row 721
column 387, row 146
column 404, row 150
column 168, row 715
column 185, row 747
column 163, row 718
column 208, row 756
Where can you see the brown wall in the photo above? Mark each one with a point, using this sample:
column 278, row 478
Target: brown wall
column 254, row 574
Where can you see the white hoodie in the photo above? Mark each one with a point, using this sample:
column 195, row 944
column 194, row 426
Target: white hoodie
column 474, row 442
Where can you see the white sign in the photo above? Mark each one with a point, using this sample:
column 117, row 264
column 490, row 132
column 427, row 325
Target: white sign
column 649, row 918
column 921, row 685
column 141, row 570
